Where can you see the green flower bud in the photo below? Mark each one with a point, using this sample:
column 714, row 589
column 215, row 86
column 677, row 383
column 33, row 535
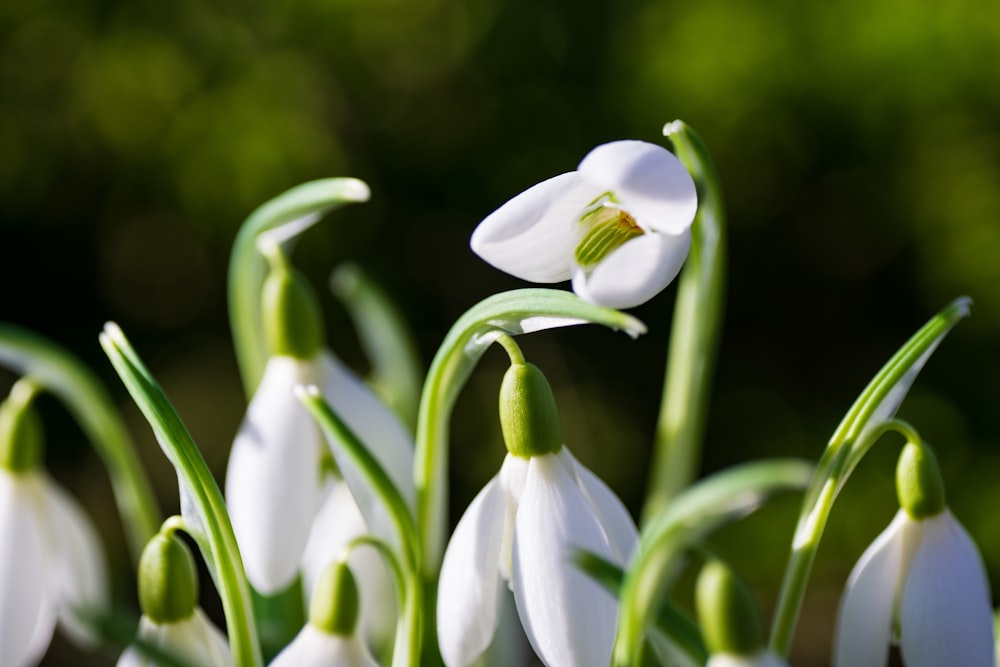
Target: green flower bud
column 336, row 605
column 727, row 612
column 21, row 447
column 290, row 310
column 168, row 581
column 918, row 482
column 529, row 419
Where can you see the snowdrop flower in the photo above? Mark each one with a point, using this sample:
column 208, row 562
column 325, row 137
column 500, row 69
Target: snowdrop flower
column 274, row 481
column 730, row 620
column 52, row 568
column 619, row 226
column 171, row 619
column 921, row 584
column 329, row 638
column 523, row 529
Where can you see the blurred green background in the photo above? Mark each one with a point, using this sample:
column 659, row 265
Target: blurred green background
column 859, row 148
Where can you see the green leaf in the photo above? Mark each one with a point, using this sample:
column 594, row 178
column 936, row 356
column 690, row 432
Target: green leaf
column 516, row 312
column 725, row 496
column 854, row 437
column 284, row 216
column 386, row 339
column 202, row 504
column 63, row 375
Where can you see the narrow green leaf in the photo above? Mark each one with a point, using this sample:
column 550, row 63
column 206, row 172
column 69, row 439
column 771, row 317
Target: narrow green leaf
column 294, row 211
column 202, row 504
column 63, row 375
column 694, row 335
column 386, row 338
column 854, row 437
column 723, row 497
column 512, row 313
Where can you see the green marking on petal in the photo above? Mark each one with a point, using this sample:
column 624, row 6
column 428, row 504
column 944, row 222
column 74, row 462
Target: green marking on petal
column 610, row 229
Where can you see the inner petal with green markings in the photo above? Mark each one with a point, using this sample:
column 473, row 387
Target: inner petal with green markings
column 605, row 229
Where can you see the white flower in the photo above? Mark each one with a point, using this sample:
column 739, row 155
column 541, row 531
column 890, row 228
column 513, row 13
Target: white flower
column 762, row 659
column 619, row 226
column 194, row 639
column 51, row 567
column 313, row 647
column 523, row 528
column 274, row 483
column 923, row 585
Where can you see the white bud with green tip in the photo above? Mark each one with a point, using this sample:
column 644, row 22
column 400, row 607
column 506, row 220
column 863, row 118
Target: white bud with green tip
column 168, row 596
column 921, row 584
column 52, row 567
column 330, row 639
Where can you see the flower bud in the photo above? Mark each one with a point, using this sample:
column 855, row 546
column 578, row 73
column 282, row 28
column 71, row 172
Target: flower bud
column 291, row 315
column 727, row 612
column 529, row 419
column 168, row 581
column 918, row 482
column 335, row 605
column 20, row 431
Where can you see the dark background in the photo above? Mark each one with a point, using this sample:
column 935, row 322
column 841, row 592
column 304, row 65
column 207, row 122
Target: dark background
column 858, row 145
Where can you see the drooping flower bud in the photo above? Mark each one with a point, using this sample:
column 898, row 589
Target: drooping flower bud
column 529, row 418
column 727, row 612
column 168, row 581
column 21, row 446
column 293, row 324
column 918, row 482
column 336, row 605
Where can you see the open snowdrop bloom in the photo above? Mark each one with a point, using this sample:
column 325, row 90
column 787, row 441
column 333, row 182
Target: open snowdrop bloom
column 274, row 481
column 921, row 584
column 171, row 619
column 51, row 564
column 523, row 528
column 329, row 638
column 619, row 226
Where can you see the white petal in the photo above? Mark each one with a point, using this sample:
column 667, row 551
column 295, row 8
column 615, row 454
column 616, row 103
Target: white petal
column 762, row 659
column 80, row 579
column 513, row 474
column 945, row 615
column 533, row 236
column 614, row 518
column 864, row 623
column 468, row 590
column 569, row 618
column 273, row 479
column 375, row 424
column 26, row 621
column 337, row 523
column 635, row 272
column 649, row 181
column 314, row 648
column 195, row 640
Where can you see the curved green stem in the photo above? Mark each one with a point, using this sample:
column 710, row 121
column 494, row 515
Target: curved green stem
column 202, row 505
column 297, row 208
column 511, row 313
column 864, row 423
column 694, row 334
column 701, row 508
column 61, row 374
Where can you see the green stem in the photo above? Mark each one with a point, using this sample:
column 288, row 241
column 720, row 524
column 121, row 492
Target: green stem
column 64, row 376
column 299, row 207
column 206, row 516
column 869, row 417
column 695, row 333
